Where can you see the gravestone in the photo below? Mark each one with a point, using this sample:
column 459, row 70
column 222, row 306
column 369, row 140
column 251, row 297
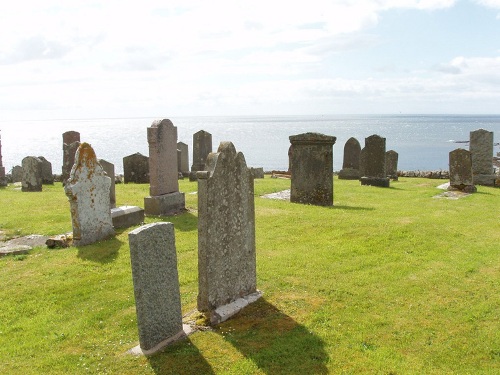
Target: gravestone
column 391, row 164
column 3, row 179
column 17, row 173
column 226, row 235
column 71, row 141
column 32, row 174
column 109, row 169
column 461, row 177
column 202, row 146
column 184, row 158
column 312, row 169
column 165, row 198
column 257, row 172
column 136, row 169
column 87, row 189
column 47, row 176
column 373, row 156
column 481, row 149
column 350, row 165
column 156, row 285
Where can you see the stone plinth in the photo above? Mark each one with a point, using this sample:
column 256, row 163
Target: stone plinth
column 165, row 205
column 312, row 169
column 373, row 159
column 127, row 216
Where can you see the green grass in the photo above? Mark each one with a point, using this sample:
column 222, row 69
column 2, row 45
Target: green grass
column 388, row 281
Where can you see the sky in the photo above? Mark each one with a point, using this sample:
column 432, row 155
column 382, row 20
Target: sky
column 156, row 58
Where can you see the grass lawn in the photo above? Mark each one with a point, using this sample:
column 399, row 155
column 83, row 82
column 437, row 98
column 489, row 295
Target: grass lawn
column 388, row 281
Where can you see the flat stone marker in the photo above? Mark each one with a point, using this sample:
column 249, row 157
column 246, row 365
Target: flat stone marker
column 32, row 174
column 127, row 216
column 373, row 158
column 461, row 177
column 481, row 149
column 350, row 165
column 156, row 286
column 87, row 189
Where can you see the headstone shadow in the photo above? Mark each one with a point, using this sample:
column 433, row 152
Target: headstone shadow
column 100, row 252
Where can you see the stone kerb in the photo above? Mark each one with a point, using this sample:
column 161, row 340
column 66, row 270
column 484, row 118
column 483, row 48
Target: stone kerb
column 226, row 234
column 373, row 159
column 88, row 193
column 32, row 174
column 311, row 163
column 481, row 149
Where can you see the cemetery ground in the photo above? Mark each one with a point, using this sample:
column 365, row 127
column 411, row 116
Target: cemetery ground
column 389, row 281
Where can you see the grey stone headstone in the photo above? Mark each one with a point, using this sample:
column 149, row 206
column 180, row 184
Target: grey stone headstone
column 350, row 165
column 17, row 173
column 47, row 176
column 87, row 189
column 312, row 169
column 3, row 180
column 391, row 164
column 461, row 177
column 184, row 158
column 257, row 172
column 109, row 169
column 32, row 174
column 373, row 157
column 202, row 146
column 226, row 230
column 136, row 169
column 71, row 141
column 156, row 284
column 481, row 149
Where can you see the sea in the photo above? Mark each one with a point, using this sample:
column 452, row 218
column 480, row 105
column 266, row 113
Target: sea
column 423, row 142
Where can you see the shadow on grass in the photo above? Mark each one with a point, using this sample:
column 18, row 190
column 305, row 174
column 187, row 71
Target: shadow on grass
column 181, row 358
column 101, row 252
column 350, row 208
column 275, row 342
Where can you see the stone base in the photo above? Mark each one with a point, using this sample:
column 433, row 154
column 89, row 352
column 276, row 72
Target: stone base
column 349, row 174
column 375, row 181
column 464, row 188
column 165, row 205
column 485, row 179
column 223, row 313
column 127, row 216
column 186, row 331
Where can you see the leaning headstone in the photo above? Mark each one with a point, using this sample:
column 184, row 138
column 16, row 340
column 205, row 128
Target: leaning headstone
column 461, row 177
column 226, row 235
column 202, row 146
column 373, row 156
column 17, row 173
column 71, row 141
column 312, row 169
column 109, row 168
column 3, row 179
column 47, row 176
column 391, row 164
column 184, row 158
column 136, row 169
column 32, row 174
column 350, row 165
column 165, row 198
column 156, row 286
column 87, row 189
column 481, row 149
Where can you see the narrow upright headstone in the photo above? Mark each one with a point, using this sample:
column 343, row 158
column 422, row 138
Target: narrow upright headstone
column 184, row 158
column 312, row 169
column 17, row 173
column 156, row 285
column 350, row 165
column 481, row 149
column 391, row 164
column 87, row 189
column 71, row 141
column 47, row 176
column 202, row 146
column 165, row 198
column 3, row 180
column 373, row 156
column 461, row 177
column 136, row 169
column 226, row 234
column 109, row 169
column 32, row 174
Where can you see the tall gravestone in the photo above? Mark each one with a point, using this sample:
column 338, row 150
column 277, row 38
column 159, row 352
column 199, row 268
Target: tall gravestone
column 391, row 164
column 481, row 149
column 373, row 157
column 165, row 198
column 183, row 161
column 71, row 141
column 87, row 189
column 17, row 173
column 109, row 169
column 136, row 169
column 3, row 180
column 461, row 177
column 350, row 165
column 202, row 146
column 156, row 285
column 226, row 234
column 32, row 174
column 312, row 169
column 47, row 176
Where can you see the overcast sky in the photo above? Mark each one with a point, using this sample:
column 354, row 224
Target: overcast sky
column 86, row 59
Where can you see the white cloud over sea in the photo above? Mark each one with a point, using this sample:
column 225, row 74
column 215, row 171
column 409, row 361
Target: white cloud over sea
column 81, row 59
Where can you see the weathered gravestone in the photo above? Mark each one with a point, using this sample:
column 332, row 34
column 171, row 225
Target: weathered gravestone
column 109, row 169
column 257, row 172
column 312, row 169
column 183, row 161
column 71, row 141
column 156, row 285
column 3, row 180
column 226, row 235
column 136, row 169
column 202, row 146
column 47, row 176
column 17, row 173
column 350, row 165
column 391, row 164
column 461, row 177
column 87, row 189
column 481, row 149
column 165, row 198
column 32, row 174
column 373, row 158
